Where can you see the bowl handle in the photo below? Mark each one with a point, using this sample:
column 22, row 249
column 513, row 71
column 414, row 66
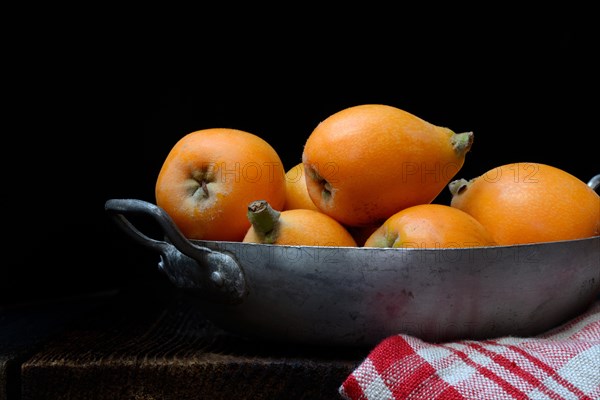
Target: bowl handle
column 215, row 275
column 594, row 182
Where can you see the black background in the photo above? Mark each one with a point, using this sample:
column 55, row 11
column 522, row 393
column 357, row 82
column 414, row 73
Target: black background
column 95, row 108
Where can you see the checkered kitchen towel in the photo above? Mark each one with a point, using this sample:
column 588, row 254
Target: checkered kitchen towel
column 563, row 363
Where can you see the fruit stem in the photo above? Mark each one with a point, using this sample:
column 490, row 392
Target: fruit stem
column 263, row 218
column 457, row 186
column 204, row 188
column 462, row 142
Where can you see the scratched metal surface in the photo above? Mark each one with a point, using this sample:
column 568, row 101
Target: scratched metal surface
column 358, row 296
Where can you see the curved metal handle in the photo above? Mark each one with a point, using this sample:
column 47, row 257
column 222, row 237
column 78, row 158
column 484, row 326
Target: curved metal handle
column 118, row 207
column 594, row 183
column 216, row 274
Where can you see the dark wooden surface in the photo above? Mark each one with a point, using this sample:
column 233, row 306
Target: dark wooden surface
column 24, row 328
column 152, row 343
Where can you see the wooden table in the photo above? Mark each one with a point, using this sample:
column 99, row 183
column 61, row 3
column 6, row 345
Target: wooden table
column 150, row 342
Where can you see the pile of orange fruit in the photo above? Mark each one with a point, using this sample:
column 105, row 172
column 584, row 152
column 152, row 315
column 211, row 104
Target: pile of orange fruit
column 368, row 177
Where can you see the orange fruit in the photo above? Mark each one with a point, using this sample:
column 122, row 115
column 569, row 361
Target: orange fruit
column 296, row 191
column 529, row 202
column 297, row 227
column 209, row 177
column 430, row 226
column 365, row 163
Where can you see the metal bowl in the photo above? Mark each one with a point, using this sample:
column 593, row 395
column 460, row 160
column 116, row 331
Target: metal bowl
column 354, row 296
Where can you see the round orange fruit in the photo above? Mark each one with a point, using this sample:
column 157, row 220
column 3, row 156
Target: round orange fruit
column 367, row 162
column 529, row 202
column 209, row 177
column 296, row 191
column 297, row 227
column 430, row 226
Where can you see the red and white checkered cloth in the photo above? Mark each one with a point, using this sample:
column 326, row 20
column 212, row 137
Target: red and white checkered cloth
column 563, row 363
